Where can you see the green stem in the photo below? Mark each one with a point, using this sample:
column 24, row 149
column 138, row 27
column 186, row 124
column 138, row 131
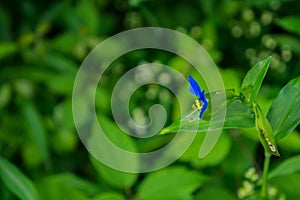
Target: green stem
column 265, row 175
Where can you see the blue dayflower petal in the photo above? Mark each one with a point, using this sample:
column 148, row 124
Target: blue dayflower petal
column 194, row 87
column 202, row 97
column 204, row 106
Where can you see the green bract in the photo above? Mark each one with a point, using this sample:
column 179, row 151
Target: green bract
column 265, row 131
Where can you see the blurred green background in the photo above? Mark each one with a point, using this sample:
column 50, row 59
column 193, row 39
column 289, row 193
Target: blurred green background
column 42, row 46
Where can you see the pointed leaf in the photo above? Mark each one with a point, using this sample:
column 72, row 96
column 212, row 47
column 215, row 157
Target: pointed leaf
column 290, row 23
column 16, row 181
column 253, row 80
column 284, row 114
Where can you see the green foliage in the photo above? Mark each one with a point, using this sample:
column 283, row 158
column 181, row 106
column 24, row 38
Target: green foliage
column 253, row 80
column 109, row 196
column 65, row 186
column 241, row 116
column 284, row 114
column 16, row 181
column 243, row 106
column 112, row 176
column 171, row 183
column 44, row 43
column 237, row 116
column 290, row 23
column 214, row 158
column 36, row 129
column 289, row 166
column 265, row 132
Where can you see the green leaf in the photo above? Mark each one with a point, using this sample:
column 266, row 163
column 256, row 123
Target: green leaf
column 65, row 186
column 265, row 132
column 36, row 128
column 114, row 177
column 120, row 139
column 253, row 80
column 237, row 116
column 215, row 157
column 290, row 23
column 170, row 183
column 109, row 196
column 16, row 181
column 284, row 114
column 289, row 166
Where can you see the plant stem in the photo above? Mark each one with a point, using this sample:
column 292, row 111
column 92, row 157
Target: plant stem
column 265, row 175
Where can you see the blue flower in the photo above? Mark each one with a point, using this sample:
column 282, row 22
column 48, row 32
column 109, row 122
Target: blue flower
column 201, row 102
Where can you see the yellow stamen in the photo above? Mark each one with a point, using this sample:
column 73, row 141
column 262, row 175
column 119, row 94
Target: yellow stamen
column 197, row 104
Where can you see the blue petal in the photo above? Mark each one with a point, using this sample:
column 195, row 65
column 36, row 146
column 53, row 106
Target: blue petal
column 202, row 97
column 204, row 106
column 194, row 87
